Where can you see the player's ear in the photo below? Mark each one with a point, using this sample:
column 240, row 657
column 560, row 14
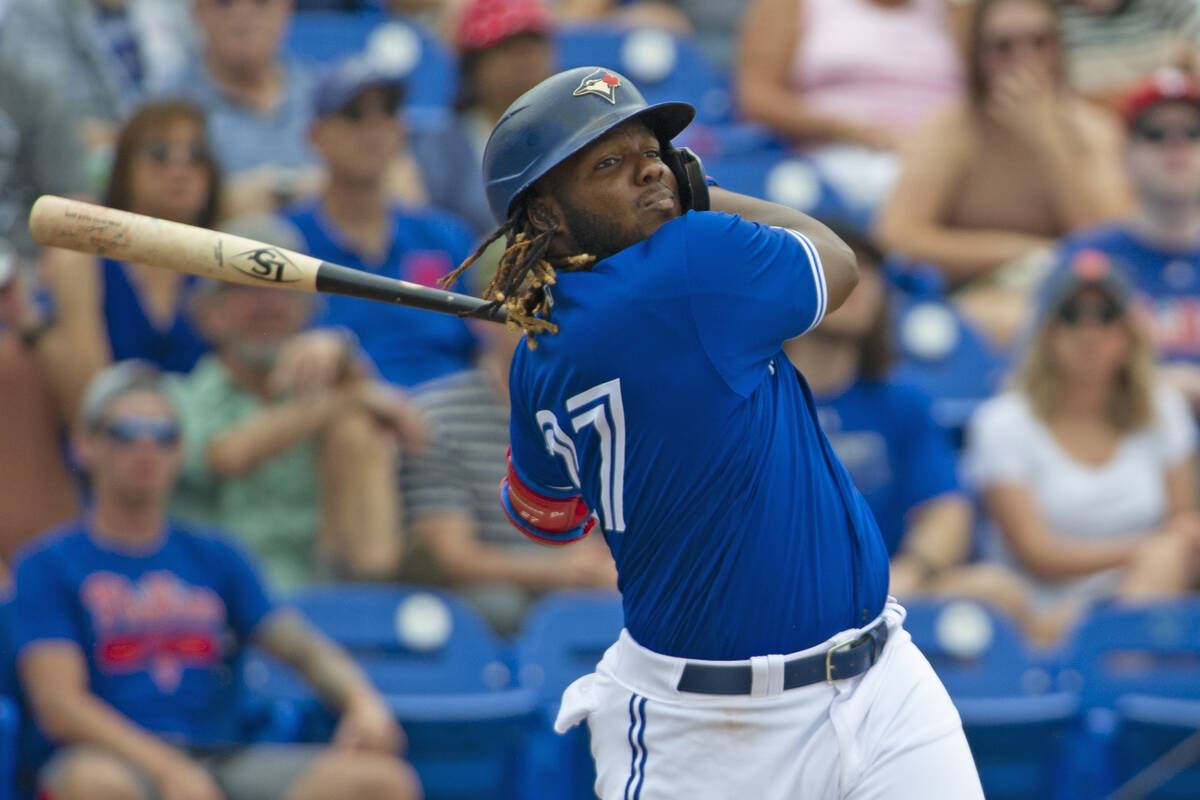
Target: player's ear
column 545, row 213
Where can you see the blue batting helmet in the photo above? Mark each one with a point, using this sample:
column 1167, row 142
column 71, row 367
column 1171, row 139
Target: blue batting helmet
column 558, row 117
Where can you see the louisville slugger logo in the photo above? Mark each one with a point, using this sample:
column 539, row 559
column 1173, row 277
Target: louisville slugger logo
column 266, row 263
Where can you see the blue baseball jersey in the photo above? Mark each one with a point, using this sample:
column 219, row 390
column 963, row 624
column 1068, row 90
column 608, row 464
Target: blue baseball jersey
column 1167, row 283
column 159, row 628
column 408, row 345
column 666, row 401
column 898, row 456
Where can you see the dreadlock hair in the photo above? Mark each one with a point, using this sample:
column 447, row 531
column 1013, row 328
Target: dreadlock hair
column 524, row 272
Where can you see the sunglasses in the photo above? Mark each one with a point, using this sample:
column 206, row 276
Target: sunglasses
column 1007, row 45
column 162, row 152
column 360, row 108
column 1105, row 312
column 163, row 431
column 1157, row 134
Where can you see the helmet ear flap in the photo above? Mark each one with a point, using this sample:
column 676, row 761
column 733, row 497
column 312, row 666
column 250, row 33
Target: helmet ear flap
column 689, row 176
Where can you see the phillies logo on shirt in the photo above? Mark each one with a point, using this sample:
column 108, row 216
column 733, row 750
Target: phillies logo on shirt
column 1174, row 324
column 157, row 624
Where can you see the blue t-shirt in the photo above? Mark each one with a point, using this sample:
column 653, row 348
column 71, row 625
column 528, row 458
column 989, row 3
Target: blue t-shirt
column 898, row 456
column 408, row 345
column 159, row 628
column 667, row 401
column 132, row 334
column 1167, row 282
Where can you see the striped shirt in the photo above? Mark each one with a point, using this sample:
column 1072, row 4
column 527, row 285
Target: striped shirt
column 1108, row 52
column 462, row 469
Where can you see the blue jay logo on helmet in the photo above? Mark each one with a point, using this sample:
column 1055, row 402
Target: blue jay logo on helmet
column 601, row 82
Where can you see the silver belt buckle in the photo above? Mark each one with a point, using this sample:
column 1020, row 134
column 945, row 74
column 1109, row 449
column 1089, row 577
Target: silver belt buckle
column 829, row 657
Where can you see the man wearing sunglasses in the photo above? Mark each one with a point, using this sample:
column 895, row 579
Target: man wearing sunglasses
column 1159, row 243
column 127, row 625
column 358, row 134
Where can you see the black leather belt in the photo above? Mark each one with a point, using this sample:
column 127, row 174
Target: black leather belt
column 837, row 663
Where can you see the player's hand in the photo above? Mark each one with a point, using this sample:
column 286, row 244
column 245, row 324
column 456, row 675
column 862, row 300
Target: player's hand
column 184, row 779
column 396, row 411
column 369, row 725
column 312, row 361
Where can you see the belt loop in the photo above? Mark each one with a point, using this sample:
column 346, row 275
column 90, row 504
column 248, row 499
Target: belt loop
column 760, row 676
column 775, row 669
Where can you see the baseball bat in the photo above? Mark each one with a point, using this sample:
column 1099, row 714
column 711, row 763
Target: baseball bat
column 111, row 233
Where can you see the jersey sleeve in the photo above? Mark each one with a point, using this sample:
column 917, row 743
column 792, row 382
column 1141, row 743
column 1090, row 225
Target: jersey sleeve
column 45, row 605
column 751, row 287
column 541, row 453
column 245, row 594
column 930, row 465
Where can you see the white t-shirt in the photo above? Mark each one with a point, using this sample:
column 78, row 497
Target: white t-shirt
column 1125, row 497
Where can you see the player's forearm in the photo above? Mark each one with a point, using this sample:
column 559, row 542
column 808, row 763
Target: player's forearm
column 324, row 666
column 246, row 444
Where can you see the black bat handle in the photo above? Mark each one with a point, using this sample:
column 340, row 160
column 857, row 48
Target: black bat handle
column 336, row 279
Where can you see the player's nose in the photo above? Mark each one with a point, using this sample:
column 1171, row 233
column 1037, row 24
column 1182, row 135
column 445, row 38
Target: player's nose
column 650, row 170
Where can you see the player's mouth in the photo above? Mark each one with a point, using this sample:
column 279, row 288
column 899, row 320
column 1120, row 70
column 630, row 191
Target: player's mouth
column 661, row 199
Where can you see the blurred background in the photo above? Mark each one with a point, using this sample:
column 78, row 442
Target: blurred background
column 1013, row 386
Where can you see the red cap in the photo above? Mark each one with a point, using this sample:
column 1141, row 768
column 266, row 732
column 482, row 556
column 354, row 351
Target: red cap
column 1168, row 84
column 483, row 23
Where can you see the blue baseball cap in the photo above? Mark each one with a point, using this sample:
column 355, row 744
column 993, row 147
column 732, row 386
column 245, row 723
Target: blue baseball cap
column 347, row 79
column 1087, row 269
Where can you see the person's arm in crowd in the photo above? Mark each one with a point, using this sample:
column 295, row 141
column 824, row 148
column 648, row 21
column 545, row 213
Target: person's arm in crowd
column 54, row 677
column 937, row 537
column 452, row 538
column 911, row 222
column 765, row 58
column 366, row 723
column 837, row 259
column 76, row 346
column 1042, row 551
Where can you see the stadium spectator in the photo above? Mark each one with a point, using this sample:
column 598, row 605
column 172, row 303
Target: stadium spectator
column 101, row 57
column 353, row 222
column 126, row 624
column 1113, row 44
column 1159, row 243
column 713, row 22
column 287, row 440
column 40, row 151
column 450, row 495
column 258, row 103
column 112, row 310
column 37, row 490
column 504, row 49
column 847, row 80
column 1087, row 465
column 988, row 185
column 885, row 434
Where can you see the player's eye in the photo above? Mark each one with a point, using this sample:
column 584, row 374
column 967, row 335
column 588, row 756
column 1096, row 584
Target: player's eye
column 652, row 153
column 604, row 163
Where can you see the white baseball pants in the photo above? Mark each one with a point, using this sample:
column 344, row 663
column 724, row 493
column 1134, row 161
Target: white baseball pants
column 891, row 732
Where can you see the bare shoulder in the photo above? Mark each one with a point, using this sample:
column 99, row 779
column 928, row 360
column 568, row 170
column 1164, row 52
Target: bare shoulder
column 1096, row 124
column 948, row 136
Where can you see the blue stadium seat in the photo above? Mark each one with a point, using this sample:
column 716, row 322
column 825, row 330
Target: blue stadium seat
column 1138, row 669
column 442, row 672
column 10, row 717
column 429, row 68
column 1150, row 728
column 665, row 66
column 564, row 636
column 1018, row 729
column 938, row 350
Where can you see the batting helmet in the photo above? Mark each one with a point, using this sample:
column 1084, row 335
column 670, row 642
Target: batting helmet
column 560, row 116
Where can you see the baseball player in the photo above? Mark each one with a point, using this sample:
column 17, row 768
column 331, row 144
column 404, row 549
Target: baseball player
column 761, row 656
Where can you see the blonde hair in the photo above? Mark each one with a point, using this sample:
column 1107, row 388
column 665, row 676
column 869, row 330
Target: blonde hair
column 1131, row 406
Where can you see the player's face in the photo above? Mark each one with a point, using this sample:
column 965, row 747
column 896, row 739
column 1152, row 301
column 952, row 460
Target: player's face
column 133, row 456
column 614, row 193
column 170, row 175
column 1090, row 339
column 357, row 142
column 1164, row 153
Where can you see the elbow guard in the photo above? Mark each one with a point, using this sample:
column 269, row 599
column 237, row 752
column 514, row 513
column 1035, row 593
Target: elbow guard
column 548, row 520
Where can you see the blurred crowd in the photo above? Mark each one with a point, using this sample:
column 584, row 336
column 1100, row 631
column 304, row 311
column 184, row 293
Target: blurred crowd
column 1030, row 168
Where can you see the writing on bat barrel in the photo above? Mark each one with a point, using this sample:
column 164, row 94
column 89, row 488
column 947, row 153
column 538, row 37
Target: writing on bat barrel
column 268, row 264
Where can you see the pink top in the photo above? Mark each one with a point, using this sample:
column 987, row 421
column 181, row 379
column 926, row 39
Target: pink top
column 879, row 64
